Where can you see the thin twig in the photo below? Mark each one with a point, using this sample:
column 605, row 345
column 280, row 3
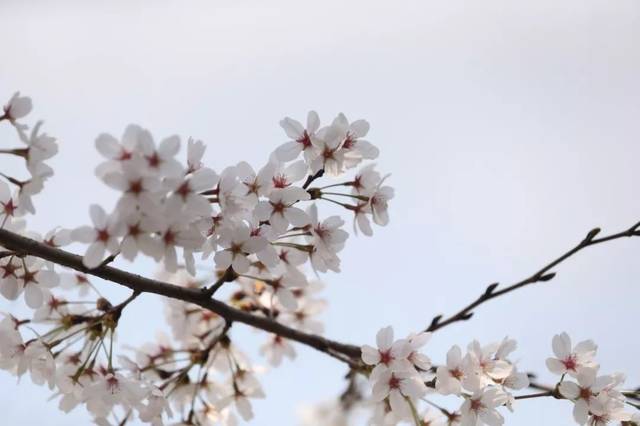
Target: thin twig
column 542, row 275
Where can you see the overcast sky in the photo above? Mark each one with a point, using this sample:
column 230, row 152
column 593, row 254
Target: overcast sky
column 510, row 128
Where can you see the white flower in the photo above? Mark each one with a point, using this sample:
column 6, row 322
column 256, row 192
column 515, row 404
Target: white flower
column 160, row 159
column 419, row 360
column 302, row 139
column 355, row 149
column 195, row 151
column 102, row 237
column 481, row 368
column 17, row 107
column 330, row 158
column 75, row 280
column 238, row 243
column 449, row 377
column 139, row 190
column 516, row 380
column 176, row 233
column 605, row 410
column 255, row 185
column 28, row 189
column 480, row 408
column 571, row 361
column 303, row 317
column 279, row 210
column 40, row 147
column 9, row 285
column 117, row 152
column 584, row 392
column 396, row 386
column 276, row 348
column 8, row 205
column 137, row 236
column 366, row 180
column 156, row 406
column 33, row 279
column 52, row 308
column 18, row 357
column 326, row 236
column 389, row 354
column 281, row 176
column 379, row 204
column 185, row 193
column 243, row 387
column 110, row 390
column 283, row 282
column 361, row 219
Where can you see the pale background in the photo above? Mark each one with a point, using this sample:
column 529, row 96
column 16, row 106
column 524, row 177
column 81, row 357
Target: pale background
column 511, row 128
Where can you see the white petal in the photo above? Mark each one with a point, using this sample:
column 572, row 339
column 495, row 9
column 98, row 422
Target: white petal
column 33, row 296
column 561, row 345
column 287, row 299
column 10, row 288
column 98, row 216
column 384, row 338
column 292, row 128
column 94, row 255
column 296, row 216
column 569, row 390
column 370, row 355
column 288, row 151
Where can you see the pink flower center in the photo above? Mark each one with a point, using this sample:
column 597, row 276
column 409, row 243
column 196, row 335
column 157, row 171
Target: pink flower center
column 385, row 357
column 394, row 382
column 280, row 181
column 305, row 140
column 570, row 363
column 103, row 235
column 476, row 405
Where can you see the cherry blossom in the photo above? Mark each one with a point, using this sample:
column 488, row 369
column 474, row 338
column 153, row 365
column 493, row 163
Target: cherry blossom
column 397, row 386
column 302, row 138
column 584, row 392
column 389, row 355
column 238, row 243
column 17, row 107
column 102, row 237
column 480, row 408
column 8, row 205
column 571, row 360
column 279, row 210
column 450, row 376
column 276, row 348
column 355, row 148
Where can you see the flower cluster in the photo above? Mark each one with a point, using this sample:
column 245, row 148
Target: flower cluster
column 402, row 375
column 258, row 230
column 597, row 401
column 37, row 148
column 484, row 378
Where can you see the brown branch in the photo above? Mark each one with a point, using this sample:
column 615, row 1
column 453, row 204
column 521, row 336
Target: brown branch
column 311, row 178
column 344, row 352
column 534, row 395
column 542, row 275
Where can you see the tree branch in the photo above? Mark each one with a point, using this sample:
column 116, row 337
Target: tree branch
column 540, row 276
column 344, row 352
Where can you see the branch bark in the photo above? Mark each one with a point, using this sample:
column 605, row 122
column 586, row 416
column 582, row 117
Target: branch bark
column 22, row 245
column 542, row 275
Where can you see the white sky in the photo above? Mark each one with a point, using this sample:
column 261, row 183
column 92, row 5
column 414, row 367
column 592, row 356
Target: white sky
column 511, row 128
